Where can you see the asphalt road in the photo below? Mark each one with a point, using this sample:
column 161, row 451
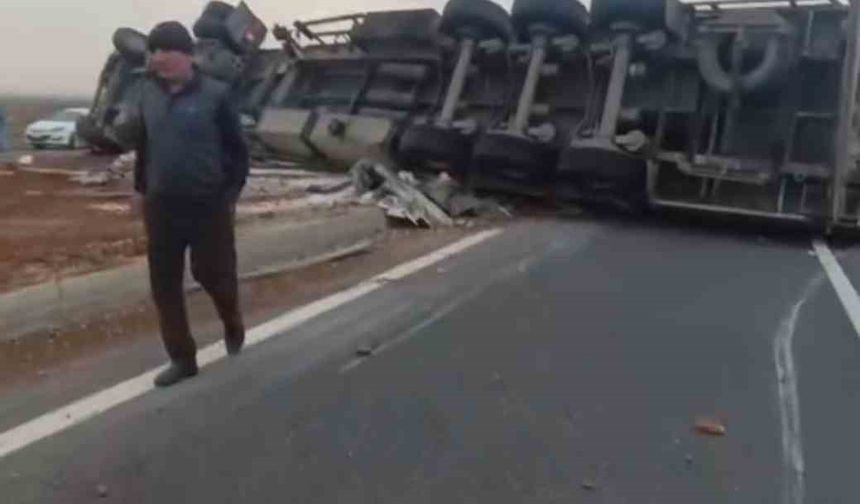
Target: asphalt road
column 558, row 362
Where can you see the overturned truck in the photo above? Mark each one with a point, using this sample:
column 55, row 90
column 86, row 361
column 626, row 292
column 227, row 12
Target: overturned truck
column 227, row 48
column 729, row 106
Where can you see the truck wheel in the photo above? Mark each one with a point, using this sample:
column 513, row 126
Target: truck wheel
column 648, row 14
column 94, row 137
column 479, row 19
column 777, row 60
column 217, row 10
column 514, row 157
column 86, row 128
column 564, row 16
column 605, row 167
column 216, row 60
column 426, row 143
column 212, row 24
column 131, row 44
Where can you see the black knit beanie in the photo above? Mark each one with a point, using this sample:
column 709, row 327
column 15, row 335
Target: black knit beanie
column 170, row 36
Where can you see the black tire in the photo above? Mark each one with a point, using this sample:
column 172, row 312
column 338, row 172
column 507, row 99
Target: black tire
column 480, row 19
column 207, row 28
column 86, row 128
column 212, row 24
column 218, row 10
column 131, row 44
column 216, row 60
column 426, row 145
column 605, row 167
column 605, row 177
column 778, row 59
column 564, row 16
column 94, row 137
column 647, row 14
column 513, row 157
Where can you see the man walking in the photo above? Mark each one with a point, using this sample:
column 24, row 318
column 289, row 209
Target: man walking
column 192, row 163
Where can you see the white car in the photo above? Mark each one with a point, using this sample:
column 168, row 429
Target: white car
column 59, row 130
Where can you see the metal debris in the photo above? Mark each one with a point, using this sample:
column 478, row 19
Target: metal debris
column 112, row 208
column 329, row 188
column 431, row 202
column 710, row 427
column 364, row 351
column 397, row 196
column 121, row 167
column 92, row 178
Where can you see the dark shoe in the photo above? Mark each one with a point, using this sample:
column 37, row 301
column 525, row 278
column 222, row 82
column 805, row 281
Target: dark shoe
column 234, row 338
column 175, row 374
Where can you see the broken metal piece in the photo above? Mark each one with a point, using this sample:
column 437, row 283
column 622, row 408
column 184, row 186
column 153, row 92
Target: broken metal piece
column 403, row 199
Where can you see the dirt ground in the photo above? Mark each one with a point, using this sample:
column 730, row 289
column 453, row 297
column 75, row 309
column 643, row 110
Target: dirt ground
column 51, row 227
column 48, row 355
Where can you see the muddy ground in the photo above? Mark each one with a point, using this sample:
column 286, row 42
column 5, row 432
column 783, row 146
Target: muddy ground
column 53, row 226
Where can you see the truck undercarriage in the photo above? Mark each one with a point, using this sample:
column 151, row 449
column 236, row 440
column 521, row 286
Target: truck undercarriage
column 733, row 106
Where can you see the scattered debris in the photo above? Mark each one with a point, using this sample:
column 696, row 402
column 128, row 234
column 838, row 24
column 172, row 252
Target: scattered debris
column 364, row 351
column 92, row 178
column 432, row 202
column 710, row 427
column 274, row 165
column 112, row 208
column 447, row 193
column 396, row 195
column 330, row 188
column 121, row 167
column 51, row 171
column 271, row 208
column 288, row 173
column 124, row 162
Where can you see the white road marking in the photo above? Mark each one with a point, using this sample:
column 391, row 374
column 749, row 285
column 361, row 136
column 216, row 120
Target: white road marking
column 521, row 268
column 96, row 404
column 789, row 401
column 844, row 290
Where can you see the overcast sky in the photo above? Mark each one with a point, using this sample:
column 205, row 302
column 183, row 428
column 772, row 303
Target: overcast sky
column 59, row 46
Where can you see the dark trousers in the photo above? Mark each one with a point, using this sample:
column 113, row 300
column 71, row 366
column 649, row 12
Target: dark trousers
column 206, row 226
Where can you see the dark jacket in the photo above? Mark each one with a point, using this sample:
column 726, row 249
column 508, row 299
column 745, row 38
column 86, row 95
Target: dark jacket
column 191, row 142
